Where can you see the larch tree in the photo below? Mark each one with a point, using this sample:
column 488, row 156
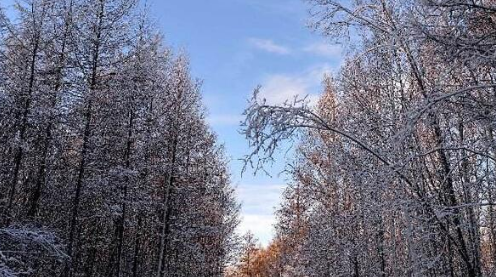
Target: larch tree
column 108, row 167
column 398, row 159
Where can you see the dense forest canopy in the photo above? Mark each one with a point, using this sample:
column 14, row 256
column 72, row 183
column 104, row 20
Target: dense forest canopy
column 107, row 165
column 108, row 168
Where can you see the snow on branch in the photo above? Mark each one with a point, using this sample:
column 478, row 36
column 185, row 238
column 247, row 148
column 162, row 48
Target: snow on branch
column 22, row 246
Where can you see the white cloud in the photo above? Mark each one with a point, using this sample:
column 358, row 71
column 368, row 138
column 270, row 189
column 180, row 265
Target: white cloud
column 276, row 89
column 324, row 49
column 259, row 203
column 262, row 226
column 270, row 46
column 260, row 199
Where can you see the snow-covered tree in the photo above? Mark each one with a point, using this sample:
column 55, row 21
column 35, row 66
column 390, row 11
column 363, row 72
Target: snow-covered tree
column 104, row 142
column 397, row 158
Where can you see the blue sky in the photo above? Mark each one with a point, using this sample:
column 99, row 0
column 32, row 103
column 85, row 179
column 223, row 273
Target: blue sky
column 235, row 45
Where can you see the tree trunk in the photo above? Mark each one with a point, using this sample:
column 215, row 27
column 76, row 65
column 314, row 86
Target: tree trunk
column 19, row 152
column 127, row 159
column 42, row 171
column 137, row 248
column 166, row 215
column 86, row 136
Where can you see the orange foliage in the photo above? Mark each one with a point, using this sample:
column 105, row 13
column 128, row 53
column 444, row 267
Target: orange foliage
column 259, row 262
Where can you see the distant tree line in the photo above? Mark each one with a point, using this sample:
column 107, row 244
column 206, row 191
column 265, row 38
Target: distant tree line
column 395, row 167
column 107, row 165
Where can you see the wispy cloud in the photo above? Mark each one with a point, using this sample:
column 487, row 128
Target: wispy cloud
column 270, row 46
column 324, row 49
column 260, row 199
column 278, row 88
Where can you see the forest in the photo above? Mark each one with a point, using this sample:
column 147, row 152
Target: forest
column 394, row 168
column 108, row 166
